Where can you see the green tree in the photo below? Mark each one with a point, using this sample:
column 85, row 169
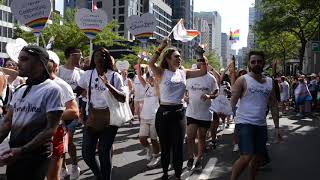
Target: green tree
column 300, row 18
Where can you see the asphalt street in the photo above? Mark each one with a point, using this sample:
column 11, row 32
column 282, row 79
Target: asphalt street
column 296, row 158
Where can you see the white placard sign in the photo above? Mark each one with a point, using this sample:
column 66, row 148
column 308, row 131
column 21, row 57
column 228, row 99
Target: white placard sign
column 142, row 27
column 91, row 23
column 122, row 65
column 32, row 13
column 13, row 48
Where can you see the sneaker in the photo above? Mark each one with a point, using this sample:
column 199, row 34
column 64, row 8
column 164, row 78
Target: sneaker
column 227, row 126
column 75, row 172
column 148, row 154
column 299, row 115
column 190, row 164
column 213, row 145
column 155, row 161
column 64, row 174
column 198, row 166
column 235, row 148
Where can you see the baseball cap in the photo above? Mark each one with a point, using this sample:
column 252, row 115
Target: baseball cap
column 39, row 52
column 54, row 57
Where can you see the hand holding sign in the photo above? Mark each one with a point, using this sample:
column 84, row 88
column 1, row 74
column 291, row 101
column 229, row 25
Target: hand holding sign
column 91, row 23
column 142, row 27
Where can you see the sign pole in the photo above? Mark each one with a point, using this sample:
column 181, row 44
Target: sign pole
column 91, row 48
column 38, row 39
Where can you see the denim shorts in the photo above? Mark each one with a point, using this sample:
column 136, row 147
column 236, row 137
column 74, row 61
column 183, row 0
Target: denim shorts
column 252, row 139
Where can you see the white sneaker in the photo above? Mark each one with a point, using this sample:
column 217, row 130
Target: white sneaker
column 235, row 148
column 149, row 153
column 155, row 161
column 64, row 173
column 75, row 172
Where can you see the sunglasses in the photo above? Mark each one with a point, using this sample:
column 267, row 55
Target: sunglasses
column 256, row 62
column 96, row 85
column 201, row 60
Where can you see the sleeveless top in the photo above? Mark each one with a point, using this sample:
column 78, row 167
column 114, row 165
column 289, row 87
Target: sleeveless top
column 173, row 86
column 253, row 105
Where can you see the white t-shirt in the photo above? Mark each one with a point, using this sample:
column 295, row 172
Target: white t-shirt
column 173, row 86
column 138, row 89
column 30, row 113
column 284, row 94
column 70, row 76
column 150, row 103
column 67, row 92
column 197, row 108
column 99, row 98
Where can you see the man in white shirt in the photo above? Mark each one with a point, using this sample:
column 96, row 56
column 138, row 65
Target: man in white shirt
column 255, row 92
column 284, row 94
column 32, row 118
column 60, row 139
column 71, row 73
column 199, row 117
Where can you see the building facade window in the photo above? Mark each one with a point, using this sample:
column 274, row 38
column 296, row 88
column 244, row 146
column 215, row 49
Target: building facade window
column 121, row 2
column 121, row 10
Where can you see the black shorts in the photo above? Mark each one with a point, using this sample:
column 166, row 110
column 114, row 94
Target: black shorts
column 200, row 123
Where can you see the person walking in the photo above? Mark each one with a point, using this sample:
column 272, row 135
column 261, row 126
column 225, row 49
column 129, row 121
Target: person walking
column 170, row 123
column 255, row 92
column 32, row 119
column 98, row 81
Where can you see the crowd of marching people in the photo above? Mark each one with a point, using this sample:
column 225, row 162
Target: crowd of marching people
column 44, row 102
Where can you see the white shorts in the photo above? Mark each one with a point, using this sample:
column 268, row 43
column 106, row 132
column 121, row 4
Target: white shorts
column 148, row 129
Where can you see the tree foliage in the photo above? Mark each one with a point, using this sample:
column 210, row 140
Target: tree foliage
column 289, row 21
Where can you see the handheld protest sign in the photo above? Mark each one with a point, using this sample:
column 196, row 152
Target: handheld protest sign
column 122, row 65
column 32, row 13
column 91, row 23
column 13, row 48
column 142, row 27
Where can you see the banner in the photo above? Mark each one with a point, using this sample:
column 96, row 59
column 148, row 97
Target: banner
column 142, row 27
column 32, row 13
column 91, row 23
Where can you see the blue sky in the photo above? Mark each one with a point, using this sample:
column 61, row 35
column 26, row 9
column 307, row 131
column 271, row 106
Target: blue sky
column 234, row 15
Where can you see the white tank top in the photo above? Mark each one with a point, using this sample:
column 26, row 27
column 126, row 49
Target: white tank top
column 173, row 86
column 253, row 105
column 138, row 89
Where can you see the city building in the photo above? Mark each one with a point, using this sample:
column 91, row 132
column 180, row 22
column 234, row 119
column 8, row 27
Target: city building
column 241, row 58
column 183, row 9
column 226, row 53
column 250, row 38
column 214, row 23
column 204, row 38
column 311, row 63
column 120, row 10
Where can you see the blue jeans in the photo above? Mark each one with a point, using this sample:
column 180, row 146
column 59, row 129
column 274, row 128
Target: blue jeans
column 106, row 138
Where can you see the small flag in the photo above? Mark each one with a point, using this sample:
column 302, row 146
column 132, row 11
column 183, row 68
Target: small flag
column 180, row 33
column 94, row 6
column 235, row 36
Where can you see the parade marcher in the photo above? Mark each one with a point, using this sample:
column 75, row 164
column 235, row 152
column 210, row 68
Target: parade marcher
column 71, row 73
column 60, row 139
column 200, row 91
column 98, row 81
column 138, row 93
column 303, row 96
column 32, row 119
column 284, row 94
column 148, row 115
column 255, row 92
column 170, row 123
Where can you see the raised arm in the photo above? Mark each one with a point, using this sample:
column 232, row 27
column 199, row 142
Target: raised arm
column 138, row 70
column 152, row 63
column 199, row 72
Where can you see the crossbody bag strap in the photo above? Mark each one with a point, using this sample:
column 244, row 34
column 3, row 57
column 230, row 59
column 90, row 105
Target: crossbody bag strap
column 112, row 79
column 89, row 90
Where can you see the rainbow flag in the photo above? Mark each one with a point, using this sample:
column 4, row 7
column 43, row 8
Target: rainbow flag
column 235, row 36
column 180, row 33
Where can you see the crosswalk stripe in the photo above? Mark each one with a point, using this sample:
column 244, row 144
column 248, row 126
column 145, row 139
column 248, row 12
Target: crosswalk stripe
column 206, row 172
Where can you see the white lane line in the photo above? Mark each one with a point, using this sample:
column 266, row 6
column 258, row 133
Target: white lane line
column 206, row 172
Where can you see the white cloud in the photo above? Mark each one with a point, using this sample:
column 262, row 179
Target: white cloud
column 234, row 15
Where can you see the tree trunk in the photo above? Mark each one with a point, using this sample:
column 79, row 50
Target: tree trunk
column 301, row 54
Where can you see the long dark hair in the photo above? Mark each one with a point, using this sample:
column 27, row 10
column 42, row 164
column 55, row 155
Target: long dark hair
column 166, row 55
column 107, row 57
